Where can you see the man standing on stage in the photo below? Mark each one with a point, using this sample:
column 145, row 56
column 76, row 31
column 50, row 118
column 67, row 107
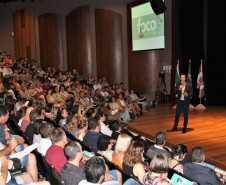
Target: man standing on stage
column 183, row 91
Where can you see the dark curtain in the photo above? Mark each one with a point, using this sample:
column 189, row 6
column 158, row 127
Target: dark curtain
column 200, row 34
column 189, row 39
column 216, row 53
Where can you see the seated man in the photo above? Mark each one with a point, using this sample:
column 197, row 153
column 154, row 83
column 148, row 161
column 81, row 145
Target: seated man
column 7, row 179
column 160, row 140
column 92, row 134
column 45, row 142
column 95, row 172
column 72, row 173
column 12, row 143
column 159, row 97
column 196, row 171
column 55, row 154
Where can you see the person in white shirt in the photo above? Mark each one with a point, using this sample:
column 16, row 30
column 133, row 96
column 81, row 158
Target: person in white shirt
column 45, row 143
column 103, row 128
column 138, row 100
column 96, row 85
column 7, row 71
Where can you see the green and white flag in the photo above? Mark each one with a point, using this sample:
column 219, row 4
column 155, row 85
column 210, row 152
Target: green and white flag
column 200, row 83
column 189, row 79
column 177, row 76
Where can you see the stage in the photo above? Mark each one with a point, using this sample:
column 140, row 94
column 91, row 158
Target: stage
column 205, row 128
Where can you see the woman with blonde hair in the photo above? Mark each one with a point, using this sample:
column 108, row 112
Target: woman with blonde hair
column 72, row 126
column 122, row 144
column 133, row 161
column 159, row 171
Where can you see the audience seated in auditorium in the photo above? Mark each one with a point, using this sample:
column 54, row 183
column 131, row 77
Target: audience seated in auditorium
column 115, row 107
column 134, row 105
column 23, row 178
column 198, row 172
column 159, row 167
column 109, row 114
column 127, row 107
column 160, row 140
column 15, row 144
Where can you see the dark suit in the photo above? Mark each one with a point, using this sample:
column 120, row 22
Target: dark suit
column 182, row 104
column 202, row 174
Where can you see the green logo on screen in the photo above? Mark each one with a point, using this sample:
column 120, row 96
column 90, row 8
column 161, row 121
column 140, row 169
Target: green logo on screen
column 148, row 26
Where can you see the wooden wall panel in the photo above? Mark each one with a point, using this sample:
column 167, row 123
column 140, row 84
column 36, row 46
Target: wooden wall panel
column 79, row 40
column 50, row 40
column 109, row 45
column 143, row 66
column 24, row 34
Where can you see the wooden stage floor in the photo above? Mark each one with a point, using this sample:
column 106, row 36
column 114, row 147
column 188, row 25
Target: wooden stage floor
column 205, row 128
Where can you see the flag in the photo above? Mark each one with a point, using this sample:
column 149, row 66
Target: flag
column 200, row 84
column 177, row 76
column 189, row 79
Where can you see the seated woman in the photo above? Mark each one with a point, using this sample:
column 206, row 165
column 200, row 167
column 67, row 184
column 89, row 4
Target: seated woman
column 61, row 118
column 122, row 144
column 159, row 171
column 82, row 126
column 133, row 161
column 68, row 98
column 126, row 106
column 179, row 153
column 115, row 107
column 109, row 114
column 30, row 94
column 21, row 114
column 138, row 100
column 104, row 145
column 57, row 96
column 38, row 90
column 134, row 104
column 51, row 101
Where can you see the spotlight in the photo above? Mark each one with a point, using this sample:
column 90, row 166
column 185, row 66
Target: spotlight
column 158, row 6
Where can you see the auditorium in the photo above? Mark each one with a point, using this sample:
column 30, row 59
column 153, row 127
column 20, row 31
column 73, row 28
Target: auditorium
column 118, row 92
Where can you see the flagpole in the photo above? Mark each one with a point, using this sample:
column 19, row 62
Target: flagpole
column 176, row 72
column 200, row 106
column 190, row 106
